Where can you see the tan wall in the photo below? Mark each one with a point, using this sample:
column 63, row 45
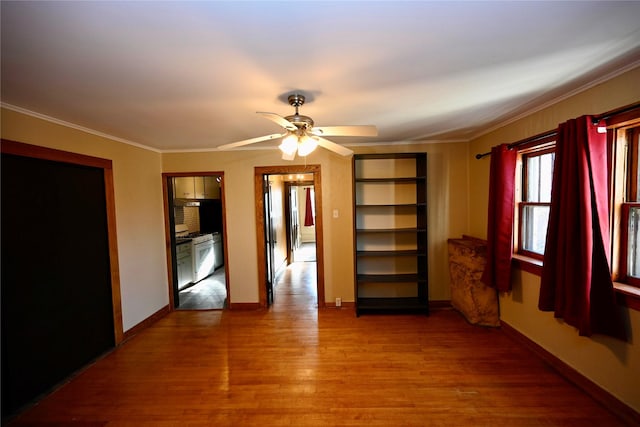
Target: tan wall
column 612, row 364
column 448, row 217
column 138, row 201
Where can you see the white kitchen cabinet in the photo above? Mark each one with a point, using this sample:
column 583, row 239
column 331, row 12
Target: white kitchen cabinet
column 184, row 187
column 211, row 187
column 185, row 264
column 197, row 187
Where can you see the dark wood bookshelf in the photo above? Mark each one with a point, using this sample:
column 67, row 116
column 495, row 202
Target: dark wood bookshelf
column 386, row 204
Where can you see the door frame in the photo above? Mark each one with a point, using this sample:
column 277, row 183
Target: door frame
column 259, row 173
column 44, row 153
column 169, row 224
column 268, row 237
column 287, row 204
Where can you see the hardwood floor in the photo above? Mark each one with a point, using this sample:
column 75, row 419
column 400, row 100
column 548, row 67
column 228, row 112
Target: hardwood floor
column 305, row 252
column 208, row 294
column 295, row 365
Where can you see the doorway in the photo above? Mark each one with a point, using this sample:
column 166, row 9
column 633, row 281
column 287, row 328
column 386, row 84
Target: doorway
column 300, row 218
column 271, row 228
column 194, row 208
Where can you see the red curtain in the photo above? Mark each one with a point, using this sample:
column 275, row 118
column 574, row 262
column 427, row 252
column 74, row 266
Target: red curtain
column 497, row 272
column 308, row 213
column 576, row 280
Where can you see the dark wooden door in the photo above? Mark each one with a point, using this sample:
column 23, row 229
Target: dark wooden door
column 269, row 238
column 57, row 310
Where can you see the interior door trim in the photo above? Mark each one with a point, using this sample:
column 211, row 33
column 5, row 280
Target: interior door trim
column 169, row 233
column 44, row 153
column 287, row 207
column 259, row 172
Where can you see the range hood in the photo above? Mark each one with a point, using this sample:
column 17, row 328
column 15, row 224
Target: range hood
column 186, row 202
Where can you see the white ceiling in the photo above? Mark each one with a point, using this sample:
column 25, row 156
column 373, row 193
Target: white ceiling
column 191, row 75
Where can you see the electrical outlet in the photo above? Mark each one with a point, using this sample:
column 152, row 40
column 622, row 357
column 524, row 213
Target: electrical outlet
column 338, row 302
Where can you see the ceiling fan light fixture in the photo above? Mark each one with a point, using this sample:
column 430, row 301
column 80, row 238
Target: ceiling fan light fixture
column 289, row 144
column 306, row 145
column 301, row 136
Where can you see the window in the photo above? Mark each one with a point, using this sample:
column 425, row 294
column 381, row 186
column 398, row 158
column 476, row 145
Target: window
column 627, row 184
column 533, row 197
column 534, row 174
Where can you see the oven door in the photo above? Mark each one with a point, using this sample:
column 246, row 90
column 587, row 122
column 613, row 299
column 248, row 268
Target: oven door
column 203, row 260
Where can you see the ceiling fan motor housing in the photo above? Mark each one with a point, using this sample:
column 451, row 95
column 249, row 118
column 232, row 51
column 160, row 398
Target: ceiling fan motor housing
column 302, row 122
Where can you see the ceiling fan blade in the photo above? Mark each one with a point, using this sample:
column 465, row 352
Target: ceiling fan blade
column 250, row 141
column 332, row 146
column 279, row 120
column 358, row 130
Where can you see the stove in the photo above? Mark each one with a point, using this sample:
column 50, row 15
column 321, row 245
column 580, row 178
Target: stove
column 182, row 235
column 200, row 237
column 181, row 231
column 202, row 249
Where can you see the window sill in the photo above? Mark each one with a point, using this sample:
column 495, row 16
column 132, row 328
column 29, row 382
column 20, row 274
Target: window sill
column 528, row 264
column 626, row 295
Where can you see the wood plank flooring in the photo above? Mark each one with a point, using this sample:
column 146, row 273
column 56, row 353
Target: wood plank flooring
column 208, row 294
column 294, row 365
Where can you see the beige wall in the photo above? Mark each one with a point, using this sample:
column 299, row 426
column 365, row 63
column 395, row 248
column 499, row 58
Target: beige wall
column 447, row 177
column 612, row 364
column 138, row 202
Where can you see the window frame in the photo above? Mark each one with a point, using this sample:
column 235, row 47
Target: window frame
column 624, row 276
column 625, row 192
column 539, row 146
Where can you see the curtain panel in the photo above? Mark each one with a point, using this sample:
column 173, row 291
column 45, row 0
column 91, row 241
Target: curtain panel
column 308, row 213
column 576, row 279
column 497, row 272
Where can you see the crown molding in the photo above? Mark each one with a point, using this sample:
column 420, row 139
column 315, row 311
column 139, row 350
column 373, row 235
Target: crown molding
column 560, row 98
column 75, row 126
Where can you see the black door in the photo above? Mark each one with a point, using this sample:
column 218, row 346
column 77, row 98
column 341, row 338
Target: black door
column 56, row 284
column 269, row 239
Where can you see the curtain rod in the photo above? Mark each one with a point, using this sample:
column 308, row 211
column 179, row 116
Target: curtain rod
column 595, row 119
column 522, row 142
column 621, row 110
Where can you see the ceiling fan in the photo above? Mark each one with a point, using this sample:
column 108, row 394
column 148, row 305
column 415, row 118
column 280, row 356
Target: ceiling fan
column 301, row 136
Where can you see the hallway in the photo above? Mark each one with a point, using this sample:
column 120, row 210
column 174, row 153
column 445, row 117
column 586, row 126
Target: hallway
column 296, row 288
